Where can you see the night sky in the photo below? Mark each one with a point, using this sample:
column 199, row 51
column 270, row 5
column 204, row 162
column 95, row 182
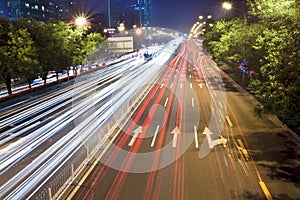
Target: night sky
column 179, row 15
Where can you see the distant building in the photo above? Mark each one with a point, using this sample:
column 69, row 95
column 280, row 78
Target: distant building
column 130, row 12
column 68, row 9
column 41, row 10
column 3, row 8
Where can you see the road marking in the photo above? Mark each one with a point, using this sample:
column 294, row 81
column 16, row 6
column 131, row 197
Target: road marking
column 171, row 86
column 196, row 137
column 193, row 104
column 155, row 135
column 220, row 104
column 162, row 85
column 200, row 85
column 212, row 143
column 166, row 102
column 136, row 133
column 229, row 121
column 208, row 134
column 190, row 76
column 214, row 93
column 191, row 85
column 175, row 133
column 265, row 190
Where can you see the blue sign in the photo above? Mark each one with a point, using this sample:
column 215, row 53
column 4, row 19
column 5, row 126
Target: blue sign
column 244, row 62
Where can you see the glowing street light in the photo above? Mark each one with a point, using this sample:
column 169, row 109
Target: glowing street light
column 81, row 21
column 227, row 5
column 121, row 27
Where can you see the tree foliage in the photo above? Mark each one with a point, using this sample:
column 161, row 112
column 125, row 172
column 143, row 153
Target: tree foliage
column 29, row 48
column 271, row 45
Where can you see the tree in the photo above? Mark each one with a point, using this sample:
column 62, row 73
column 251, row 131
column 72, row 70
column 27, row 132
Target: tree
column 18, row 55
column 279, row 87
column 230, row 42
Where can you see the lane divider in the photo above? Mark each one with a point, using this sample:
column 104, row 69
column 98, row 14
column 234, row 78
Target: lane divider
column 196, row 137
column 166, row 102
column 155, row 135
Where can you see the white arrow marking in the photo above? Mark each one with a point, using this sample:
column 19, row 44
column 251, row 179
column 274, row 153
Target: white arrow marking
column 213, row 143
column 136, row 133
column 175, row 132
column 166, row 102
column 196, row 137
column 207, row 132
column 200, row 85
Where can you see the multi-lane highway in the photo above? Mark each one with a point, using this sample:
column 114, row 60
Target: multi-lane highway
column 162, row 152
column 174, row 127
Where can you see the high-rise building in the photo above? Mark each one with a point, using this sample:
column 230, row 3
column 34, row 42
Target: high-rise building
column 3, row 8
column 130, row 12
column 43, row 10
column 145, row 12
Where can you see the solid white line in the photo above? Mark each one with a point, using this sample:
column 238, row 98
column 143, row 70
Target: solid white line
column 193, row 104
column 191, row 85
column 155, row 135
column 166, row 102
column 196, row 137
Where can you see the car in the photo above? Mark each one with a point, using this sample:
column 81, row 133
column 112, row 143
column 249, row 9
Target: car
column 51, row 76
column 37, row 81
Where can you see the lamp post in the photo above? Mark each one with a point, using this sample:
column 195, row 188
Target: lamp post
column 228, row 6
column 121, row 27
column 81, row 21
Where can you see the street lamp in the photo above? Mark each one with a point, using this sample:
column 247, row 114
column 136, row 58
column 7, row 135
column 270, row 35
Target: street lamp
column 121, row 27
column 228, row 6
column 81, row 21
